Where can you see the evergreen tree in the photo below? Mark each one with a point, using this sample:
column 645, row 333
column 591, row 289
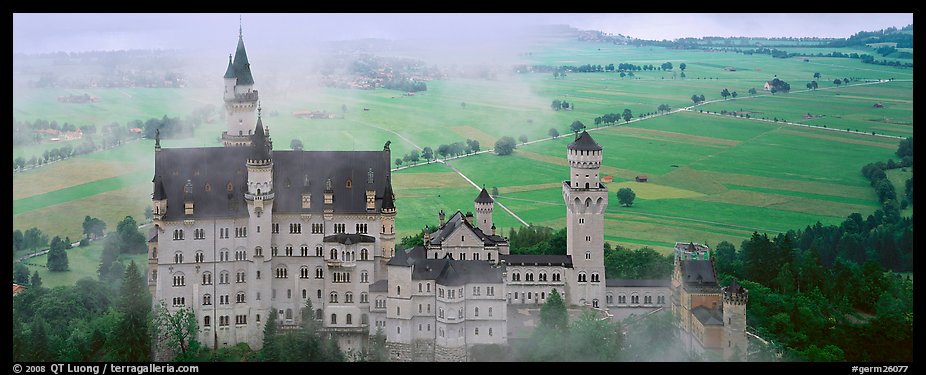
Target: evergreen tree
column 133, row 343
column 20, row 273
column 57, row 256
column 553, row 313
column 39, row 346
column 269, row 351
column 36, row 280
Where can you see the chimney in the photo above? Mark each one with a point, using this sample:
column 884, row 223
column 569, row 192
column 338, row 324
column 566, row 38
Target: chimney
column 441, row 216
column 469, row 218
column 493, row 229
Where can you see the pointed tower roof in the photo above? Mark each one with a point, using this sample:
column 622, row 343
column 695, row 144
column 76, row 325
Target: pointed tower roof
column 260, row 150
column 484, row 197
column 388, row 196
column 159, row 193
column 230, row 72
column 241, row 64
column 584, row 143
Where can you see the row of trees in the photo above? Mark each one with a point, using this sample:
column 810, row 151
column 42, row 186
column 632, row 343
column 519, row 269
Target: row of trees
column 444, row 150
column 609, row 118
column 560, row 105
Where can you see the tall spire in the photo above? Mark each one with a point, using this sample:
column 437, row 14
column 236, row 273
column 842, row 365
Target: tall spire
column 242, row 66
column 240, row 33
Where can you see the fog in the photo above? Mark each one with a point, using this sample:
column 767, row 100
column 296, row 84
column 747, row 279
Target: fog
column 40, row 33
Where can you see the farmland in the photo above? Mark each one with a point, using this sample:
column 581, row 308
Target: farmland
column 711, row 178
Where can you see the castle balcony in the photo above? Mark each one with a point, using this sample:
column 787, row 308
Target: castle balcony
column 244, row 97
column 259, row 197
column 361, row 328
column 332, row 263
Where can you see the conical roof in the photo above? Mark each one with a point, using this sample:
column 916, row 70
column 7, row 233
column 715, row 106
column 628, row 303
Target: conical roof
column 241, row 64
column 259, row 148
column 584, row 143
column 484, row 197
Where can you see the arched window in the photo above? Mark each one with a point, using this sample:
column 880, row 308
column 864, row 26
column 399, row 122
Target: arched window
column 207, row 278
column 398, row 290
column 239, row 298
column 289, row 314
column 334, row 319
column 207, row 321
column 348, row 319
column 364, row 254
column 420, row 287
column 348, row 297
column 364, row 297
column 318, row 314
column 364, row 319
column 304, row 272
column 333, row 297
column 207, row 299
column 490, row 311
column 364, row 276
column 319, row 273
column 334, row 254
column 476, row 312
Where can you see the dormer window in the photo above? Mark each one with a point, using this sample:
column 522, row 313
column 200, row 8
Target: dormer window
column 229, row 187
column 208, row 187
column 348, row 184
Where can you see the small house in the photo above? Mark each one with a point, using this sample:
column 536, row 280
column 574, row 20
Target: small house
column 607, row 179
column 642, row 178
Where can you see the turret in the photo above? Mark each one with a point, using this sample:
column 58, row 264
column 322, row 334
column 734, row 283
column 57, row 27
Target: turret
column 188, row 200
column 240, row 97
column 370, row 192
column 735, row 298
column 484, row 204
column 584, row 157
column 158, row 199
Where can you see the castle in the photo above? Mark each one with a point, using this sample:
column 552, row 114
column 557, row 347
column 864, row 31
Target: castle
column 337, row 247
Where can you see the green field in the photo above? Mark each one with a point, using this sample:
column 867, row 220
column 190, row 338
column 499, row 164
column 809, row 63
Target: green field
column 82, row 262
column 711, row 178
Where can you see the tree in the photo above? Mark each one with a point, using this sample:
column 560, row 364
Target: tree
column 463, row 105
column 809, row 86
column 626, row 196
column 443, row 150
column 627, row 115
column 296, row 145
column 576, row 126
column 701, row 98
column 752, row 91
column 667, row 66
column 682, row 75
column 553, row 312
column 837, row 82
column 725, row 93
column 427, row 153
column 556, row 105
column 39, row 344
column 473, row 144
column 17, row 240
column 505, row 146
column 131, row 240
column 905, row 148
column 734, row 94
column 93, row 227
column 20, row 273
column 816, row 75
column 682, row 66
column 413, row 156
column 34, row 239
column 553, row 132
column 176, row 331
column 36, row 280
column 149, row 213
column 132, row 343
column 523, row 138
column 495, row 190
column 57, row 257
column 695, row 98
column 623, row 75
column 269, row 350
column 398, row 162
column 663, row 108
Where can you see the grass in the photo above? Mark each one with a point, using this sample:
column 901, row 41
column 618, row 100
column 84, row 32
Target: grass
column 82, row 262
column 711, row 178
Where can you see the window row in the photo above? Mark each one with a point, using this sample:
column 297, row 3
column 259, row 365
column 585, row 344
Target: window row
column 529, row 276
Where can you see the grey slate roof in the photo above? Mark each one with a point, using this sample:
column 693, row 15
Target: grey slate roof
column 637, row 282
column 159, row 193
column 455, row 222
column 260, row 150
column 584, row 143
column 452, row 272
column 388, row 195
column 241, row 64
column 399, row 259
column 294, row 173
column 380, row 286
column 484, row 197
column 540, row 260
column 230, row 72
column 348, row 239
column 707, row 317
column 698, row 273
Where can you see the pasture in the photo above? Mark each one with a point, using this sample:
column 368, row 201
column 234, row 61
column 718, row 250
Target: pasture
column 82, row 262
column 711, row 178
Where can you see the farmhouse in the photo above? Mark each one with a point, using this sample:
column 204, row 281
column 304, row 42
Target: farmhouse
column 641, row 178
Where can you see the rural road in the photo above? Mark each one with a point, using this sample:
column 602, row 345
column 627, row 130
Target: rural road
column 677, row 110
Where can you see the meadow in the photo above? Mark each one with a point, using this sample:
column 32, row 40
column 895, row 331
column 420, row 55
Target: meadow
column 82, row 262
column 711, row 178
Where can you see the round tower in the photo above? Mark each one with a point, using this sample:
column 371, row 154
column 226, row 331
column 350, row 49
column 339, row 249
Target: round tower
column 586, row 200
column 240, row 98
column 484, row 205
column 735, row 298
